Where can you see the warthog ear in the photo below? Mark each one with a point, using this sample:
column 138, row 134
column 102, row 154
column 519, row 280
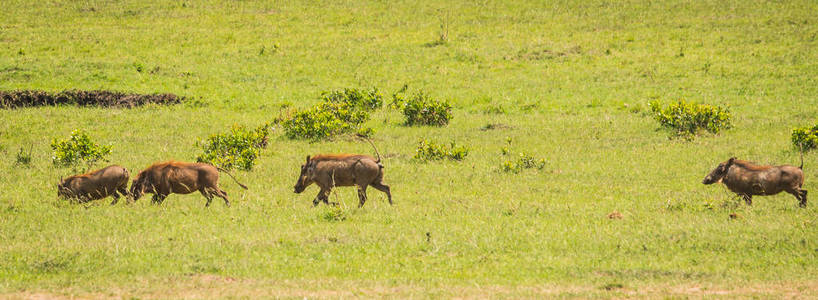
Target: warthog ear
column 308, row 159
column 731, row 160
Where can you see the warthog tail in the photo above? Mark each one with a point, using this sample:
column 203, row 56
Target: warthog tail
column 231, row 176
column 373, row 147
column 802, row 156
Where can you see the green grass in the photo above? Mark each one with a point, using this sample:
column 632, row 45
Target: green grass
column 568, row 76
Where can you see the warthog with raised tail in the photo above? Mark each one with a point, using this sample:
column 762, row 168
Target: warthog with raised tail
column 163, row 179
column 108, row 181
column 747, row 179
column 331, row 170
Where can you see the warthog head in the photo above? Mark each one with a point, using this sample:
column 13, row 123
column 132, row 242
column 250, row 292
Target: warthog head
column 139, row 187
column 63, row 190
column 306, row 177
column 719, row 172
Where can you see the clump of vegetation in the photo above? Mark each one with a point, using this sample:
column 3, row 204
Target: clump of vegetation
column 427, row 151
column 495, row 109
column 325, row 120
column 238, row 148
column 335, row 215
column 78, row 148
column 368, row 100
column 29, row 98
column 23, row 158
column 422, row 109
column 522, row 162
column 805, row 138
column 688, row 119
column 365, row 132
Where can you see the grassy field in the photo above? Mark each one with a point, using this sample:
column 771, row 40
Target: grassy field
column 569, row 80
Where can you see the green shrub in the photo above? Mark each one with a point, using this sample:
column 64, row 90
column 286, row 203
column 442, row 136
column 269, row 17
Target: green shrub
column 78, row 148
column 805, row 138
column 334, row 215
column 238, row 148
column 687, row 118
column 523, row 161
column 325, row 120
column 421, row 109
column 23, row 158
column 427, row 151
column 365, row 132
column 366, row 100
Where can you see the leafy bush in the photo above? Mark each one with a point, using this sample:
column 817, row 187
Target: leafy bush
column 427, row 151
column 688, row 118
column 238, row 148
column 23, row 158
column 335, row 215
column 523, row 161
column 421, row 109
column 78, row 148
column 325, row 120
column 367, row 100
column 805, row 138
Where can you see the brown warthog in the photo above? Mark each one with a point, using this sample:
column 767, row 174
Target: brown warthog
column 331, row 170
column 108, row 181
column 163, row 179
column 747, row 179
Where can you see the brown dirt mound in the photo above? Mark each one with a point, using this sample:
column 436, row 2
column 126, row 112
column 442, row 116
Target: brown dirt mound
column 30, row 98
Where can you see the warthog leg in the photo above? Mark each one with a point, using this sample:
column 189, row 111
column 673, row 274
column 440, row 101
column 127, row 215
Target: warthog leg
column 748, row 199
column 207, row 196
column 123, row 191
column 158, row 199
column 361, row 195
column 384, row 188
column 801, row 196
column 115, row 195
column 220, row 194
column 323, row 195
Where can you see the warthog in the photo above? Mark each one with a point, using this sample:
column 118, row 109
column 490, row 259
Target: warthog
column 163, row 179
column 747, row 179
column 331, row 170
column 108, row 181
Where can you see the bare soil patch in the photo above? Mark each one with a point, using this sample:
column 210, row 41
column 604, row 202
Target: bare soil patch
column 205, row 286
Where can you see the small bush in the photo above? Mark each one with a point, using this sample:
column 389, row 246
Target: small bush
column 78, row 148
column 523, row 161
column 325, row 120
column 421, row 109
column 688, row 119
column 23, row 158
column 366, row 100
column 365, row 132
column 427, row 151
column 335, row 215
column 805, row 138
column 238, row 148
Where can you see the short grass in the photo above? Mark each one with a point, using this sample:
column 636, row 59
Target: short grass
column 568, row 81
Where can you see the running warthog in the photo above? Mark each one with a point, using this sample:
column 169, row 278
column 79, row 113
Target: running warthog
column 163, row 179
column 108, row 181
column 331, row 170
column 747, row 179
